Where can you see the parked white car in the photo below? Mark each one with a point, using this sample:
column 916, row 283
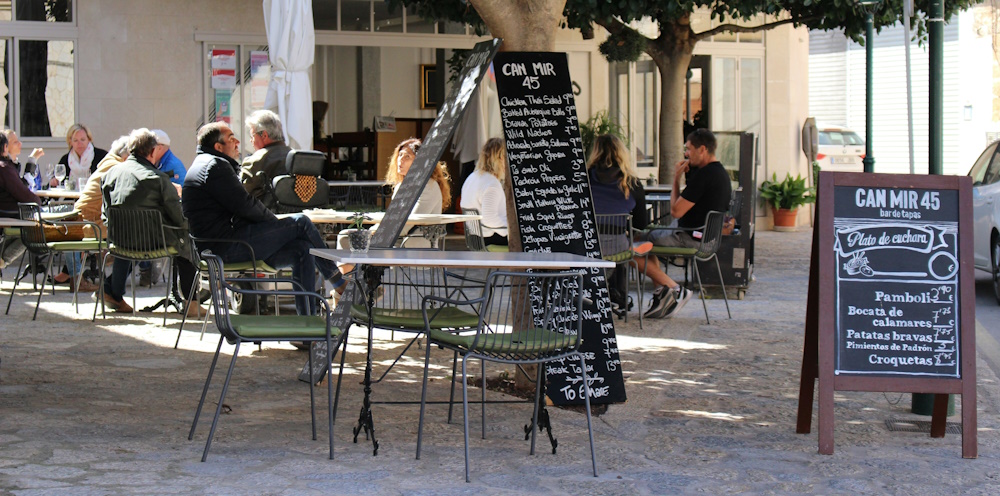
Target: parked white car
column 985, row 176
column 840, row 150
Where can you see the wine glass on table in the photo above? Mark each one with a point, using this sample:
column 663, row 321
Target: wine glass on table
column 60, row 173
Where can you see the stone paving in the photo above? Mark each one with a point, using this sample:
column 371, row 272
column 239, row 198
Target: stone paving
column 105, row 408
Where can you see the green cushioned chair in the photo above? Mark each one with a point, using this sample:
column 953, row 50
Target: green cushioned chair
column 253, row 267
column 524, row 318
column 34, row 241
column 474, row 235
column 138, row 235
column 711, row 238
column 614, row 231
column 239, row 329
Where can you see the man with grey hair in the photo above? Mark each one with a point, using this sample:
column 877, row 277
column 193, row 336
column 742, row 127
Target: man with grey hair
column 268, row 161
column 136, row 183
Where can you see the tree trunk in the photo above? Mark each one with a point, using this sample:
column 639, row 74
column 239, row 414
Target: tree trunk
column 673, row 74
column 524, row 26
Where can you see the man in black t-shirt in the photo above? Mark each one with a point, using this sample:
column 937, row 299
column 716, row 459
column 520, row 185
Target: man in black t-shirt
column 708, row 188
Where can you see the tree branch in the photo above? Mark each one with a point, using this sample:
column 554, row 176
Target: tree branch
column 735, row 28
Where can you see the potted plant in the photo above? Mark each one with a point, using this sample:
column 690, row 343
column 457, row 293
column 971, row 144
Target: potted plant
column 786, row 197
column 358, row 234
column 651, row 180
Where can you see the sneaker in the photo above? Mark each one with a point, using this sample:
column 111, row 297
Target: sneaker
column 145, row 278
column 682, row 296
column 663, row 302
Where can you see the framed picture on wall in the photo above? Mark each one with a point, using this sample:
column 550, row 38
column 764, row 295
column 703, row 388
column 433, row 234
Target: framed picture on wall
column 430, row 92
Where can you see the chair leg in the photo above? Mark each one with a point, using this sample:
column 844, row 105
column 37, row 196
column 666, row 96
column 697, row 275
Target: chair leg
column 194, row 289
column 451, row 397
column 538, row 397
column 482, row 372
column 17, row 277
column 39, row 301
column 100, row 294
column 586, row 401
column 423, row 396
column 204, row 391
column 312, row 389
column 166, row 301
column 222, row 398
column 465, row 412
column 725, row 296
column 340, row 375
column 701, row 289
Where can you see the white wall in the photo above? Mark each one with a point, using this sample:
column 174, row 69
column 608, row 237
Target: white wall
column 837, row 94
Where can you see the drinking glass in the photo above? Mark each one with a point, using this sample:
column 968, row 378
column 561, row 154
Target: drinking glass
column 60, row 172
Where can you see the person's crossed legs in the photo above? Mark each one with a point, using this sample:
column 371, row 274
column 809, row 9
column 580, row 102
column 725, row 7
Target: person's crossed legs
column 285, row 243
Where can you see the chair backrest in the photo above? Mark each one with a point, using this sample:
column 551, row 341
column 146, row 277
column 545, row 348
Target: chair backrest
column 302, row 186
column 614, row 231
column 527, row 316
column 220, row 297
column 474, row 231
column 136, row 233
column 33, row 236
column 711, row 236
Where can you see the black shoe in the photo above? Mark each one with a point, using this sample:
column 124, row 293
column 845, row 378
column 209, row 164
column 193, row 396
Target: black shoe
column 682, row 296
column 663, row 302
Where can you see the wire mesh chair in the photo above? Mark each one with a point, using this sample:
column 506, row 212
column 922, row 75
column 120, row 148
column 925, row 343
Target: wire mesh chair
column 524, row 318
column 474, row 239
column 711, row 238
column 138, row 235
column 239, row 329
column 33, row 238
column 614, row 231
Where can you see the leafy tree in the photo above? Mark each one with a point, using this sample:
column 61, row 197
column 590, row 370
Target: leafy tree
column 528, row 25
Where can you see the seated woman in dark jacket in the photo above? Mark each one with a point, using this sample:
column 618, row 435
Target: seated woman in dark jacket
column 616, row 189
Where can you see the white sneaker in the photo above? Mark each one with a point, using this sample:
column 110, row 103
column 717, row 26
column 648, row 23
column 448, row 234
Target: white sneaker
column 682, row 295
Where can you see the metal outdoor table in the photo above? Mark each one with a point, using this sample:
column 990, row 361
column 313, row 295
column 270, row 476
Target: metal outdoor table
column 432, row 224
column 56, row 193
column 372, row 262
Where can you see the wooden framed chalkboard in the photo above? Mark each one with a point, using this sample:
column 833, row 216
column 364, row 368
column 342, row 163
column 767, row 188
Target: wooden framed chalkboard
column 891, row 304
column 555, row 211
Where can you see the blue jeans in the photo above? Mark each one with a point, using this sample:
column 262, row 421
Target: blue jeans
column 285, row 243
column 114, row 284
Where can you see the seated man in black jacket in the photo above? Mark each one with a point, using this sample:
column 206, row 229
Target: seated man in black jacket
column 217, row 206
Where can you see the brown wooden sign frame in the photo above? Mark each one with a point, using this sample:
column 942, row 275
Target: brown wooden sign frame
column 818, row 355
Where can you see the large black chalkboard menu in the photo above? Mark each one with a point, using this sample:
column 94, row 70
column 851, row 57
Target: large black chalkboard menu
column 891, row 303
column 554, row 208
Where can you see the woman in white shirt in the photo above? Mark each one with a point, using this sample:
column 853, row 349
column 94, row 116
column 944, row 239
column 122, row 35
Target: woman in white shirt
column 483, row 191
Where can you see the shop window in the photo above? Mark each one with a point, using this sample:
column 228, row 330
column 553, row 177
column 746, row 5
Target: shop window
column 44, row 10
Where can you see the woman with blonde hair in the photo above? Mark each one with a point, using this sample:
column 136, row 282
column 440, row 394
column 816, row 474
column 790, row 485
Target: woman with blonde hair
column 436, row 195
column 483, row 191
column 82, row 158
column 616, row 189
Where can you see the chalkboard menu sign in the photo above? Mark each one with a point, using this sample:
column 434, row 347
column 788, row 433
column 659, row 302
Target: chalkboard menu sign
column 891, row 296
column 554, row 208
column 406, row 195
column 896, row 256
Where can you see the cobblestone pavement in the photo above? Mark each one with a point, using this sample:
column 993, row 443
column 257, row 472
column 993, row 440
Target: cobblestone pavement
column 105, row 408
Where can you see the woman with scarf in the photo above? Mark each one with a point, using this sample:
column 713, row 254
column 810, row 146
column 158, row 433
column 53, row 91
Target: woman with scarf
column 82, row 159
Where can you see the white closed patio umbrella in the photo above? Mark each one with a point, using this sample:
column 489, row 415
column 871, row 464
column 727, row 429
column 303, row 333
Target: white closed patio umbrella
column 292, row 43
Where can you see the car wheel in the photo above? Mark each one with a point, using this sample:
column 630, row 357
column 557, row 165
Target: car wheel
column 241, row 303
column 996, row 268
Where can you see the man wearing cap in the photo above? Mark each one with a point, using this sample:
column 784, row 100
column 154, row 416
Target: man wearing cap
column 268, row 160
column 168, row 163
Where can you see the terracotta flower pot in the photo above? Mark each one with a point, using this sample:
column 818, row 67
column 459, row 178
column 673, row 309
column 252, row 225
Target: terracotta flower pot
column 784, row 219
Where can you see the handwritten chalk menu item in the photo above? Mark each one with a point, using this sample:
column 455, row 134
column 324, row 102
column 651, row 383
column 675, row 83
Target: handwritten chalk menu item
column 406, row 195
column 554, row 208
column 891, row 302
column 896, row 281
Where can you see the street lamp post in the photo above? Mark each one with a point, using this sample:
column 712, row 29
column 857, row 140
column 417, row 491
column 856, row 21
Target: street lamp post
column 870, row 6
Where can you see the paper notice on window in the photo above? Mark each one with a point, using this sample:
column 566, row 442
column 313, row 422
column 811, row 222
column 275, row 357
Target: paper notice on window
column 224, row 59
column 223, row 79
